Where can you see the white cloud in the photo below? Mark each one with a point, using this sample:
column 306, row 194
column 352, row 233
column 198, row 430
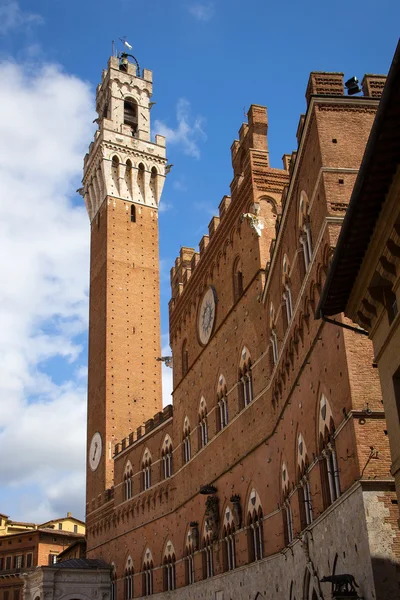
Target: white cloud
column 189, row 131
column 45, row 127
column 164, row 206
column 179, row 185
column 202, row 12
column 12, row 17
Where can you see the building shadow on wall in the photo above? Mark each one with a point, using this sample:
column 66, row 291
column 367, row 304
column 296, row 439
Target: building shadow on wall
column 386, row 578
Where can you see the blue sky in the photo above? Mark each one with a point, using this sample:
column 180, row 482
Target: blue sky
column 210, row 61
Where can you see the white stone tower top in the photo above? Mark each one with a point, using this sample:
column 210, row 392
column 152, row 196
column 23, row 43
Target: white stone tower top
column 122, row 162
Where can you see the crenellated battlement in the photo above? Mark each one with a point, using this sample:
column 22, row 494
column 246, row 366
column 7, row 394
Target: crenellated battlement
column 188, row 258
column 250, row 163
column 322, row 83
column 159, row 418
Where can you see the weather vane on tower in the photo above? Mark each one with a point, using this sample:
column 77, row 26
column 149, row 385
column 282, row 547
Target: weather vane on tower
column 123, row 56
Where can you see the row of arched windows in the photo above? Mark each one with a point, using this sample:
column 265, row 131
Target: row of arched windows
column 306, row 250
column 229, row 559
column 328, row 469
column 254, row 527
column 245, row 388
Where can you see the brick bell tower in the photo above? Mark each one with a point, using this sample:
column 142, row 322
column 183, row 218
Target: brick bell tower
column 124, row 174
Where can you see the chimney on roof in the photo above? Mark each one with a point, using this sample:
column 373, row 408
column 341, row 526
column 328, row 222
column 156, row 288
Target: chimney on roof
column 68, row 514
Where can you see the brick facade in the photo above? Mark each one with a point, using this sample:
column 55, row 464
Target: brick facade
column 277, row 436
column 370, row 255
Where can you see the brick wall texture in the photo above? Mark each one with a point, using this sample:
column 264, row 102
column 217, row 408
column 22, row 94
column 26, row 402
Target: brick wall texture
column 311, row 418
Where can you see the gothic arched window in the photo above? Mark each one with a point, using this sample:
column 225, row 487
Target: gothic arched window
column 274, row 347
column 169, row 573
column 169, row 567
column 146, row 470
column 203, row 424
column 287, row 522
column 329, row 474
column 229, row 548
column 128, row 580
column 189, row 567
column 304, row 491
column 208, row 558
column 128, row 475
column 148, row 578
column 166, row 455
column 255, row 535
column 328, row 464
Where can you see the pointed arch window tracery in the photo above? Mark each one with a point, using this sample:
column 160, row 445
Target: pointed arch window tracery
column 148, row 577
column 128, row 580
column 146, row 470
column 166, row 456
column 304, row 490
column 169, row 568
column 187, row 449
column 128, row 481
column 189, row 560
column 329, row 470
column 229, row 544
column 255, row 532
column 203, row 424
column 208, row 557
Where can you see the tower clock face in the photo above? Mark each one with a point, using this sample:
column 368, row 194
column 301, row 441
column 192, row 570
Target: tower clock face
column 95, row 451
column 206, row 317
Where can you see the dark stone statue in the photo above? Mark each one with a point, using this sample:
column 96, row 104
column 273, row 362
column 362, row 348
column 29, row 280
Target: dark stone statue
column 342, row 584
column 212, row 516
column 194, row 530
column 236, row 511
